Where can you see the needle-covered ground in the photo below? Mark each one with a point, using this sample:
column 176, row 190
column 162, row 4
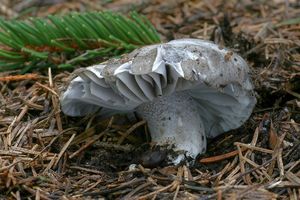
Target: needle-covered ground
column 47, row 155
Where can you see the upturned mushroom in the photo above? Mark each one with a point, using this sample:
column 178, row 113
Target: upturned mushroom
column 187, row 90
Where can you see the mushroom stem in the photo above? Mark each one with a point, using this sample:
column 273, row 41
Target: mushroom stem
column 174, row 120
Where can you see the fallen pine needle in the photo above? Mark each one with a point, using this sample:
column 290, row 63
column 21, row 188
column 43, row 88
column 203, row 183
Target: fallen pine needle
column 19, row 77
column 221, row 157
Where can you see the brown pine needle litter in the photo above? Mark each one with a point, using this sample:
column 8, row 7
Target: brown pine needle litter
column 221, row 157
column 47, row 155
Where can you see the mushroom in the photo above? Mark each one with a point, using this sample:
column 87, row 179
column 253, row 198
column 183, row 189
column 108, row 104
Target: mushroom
column 187, row 90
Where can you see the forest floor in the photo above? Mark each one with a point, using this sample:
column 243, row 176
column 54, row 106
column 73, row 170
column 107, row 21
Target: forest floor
column 47, row 155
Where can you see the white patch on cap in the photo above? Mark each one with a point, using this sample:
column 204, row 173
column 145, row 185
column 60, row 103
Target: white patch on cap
column 158, row 63
column 97, row 69
column 123, row 68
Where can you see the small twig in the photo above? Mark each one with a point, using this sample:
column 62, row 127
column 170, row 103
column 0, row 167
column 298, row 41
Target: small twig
column 47, row 88
column 198, row 188
column 221, row 157
column 130, row 130
column 131, row 183
column 156, row 191
column 295, row 94
column 280, row 162
column 256, row 168
column 10, row 165
column 246, row 178
column 89, row 143
column 51, row 163
column 25, row 109
column 221, row 174
column 93, row 186
column 19, row 77
column 87, row 170
column 249, row 146
column 33, row 192
column 105, row 145
column 64, row 149
column 176, row 192
column 130, row 194
column 275, row 154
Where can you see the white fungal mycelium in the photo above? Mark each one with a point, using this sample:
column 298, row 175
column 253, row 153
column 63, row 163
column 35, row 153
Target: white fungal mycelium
column 186, row 89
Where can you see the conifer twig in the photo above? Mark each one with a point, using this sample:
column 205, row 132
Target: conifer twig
column 66, row 41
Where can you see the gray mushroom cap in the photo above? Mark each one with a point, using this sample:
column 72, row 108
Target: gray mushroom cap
column 217, row 80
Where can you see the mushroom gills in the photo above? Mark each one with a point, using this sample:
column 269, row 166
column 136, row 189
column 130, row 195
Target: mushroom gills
column 174, row 121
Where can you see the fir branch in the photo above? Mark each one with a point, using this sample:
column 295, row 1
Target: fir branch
column 66, row 41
